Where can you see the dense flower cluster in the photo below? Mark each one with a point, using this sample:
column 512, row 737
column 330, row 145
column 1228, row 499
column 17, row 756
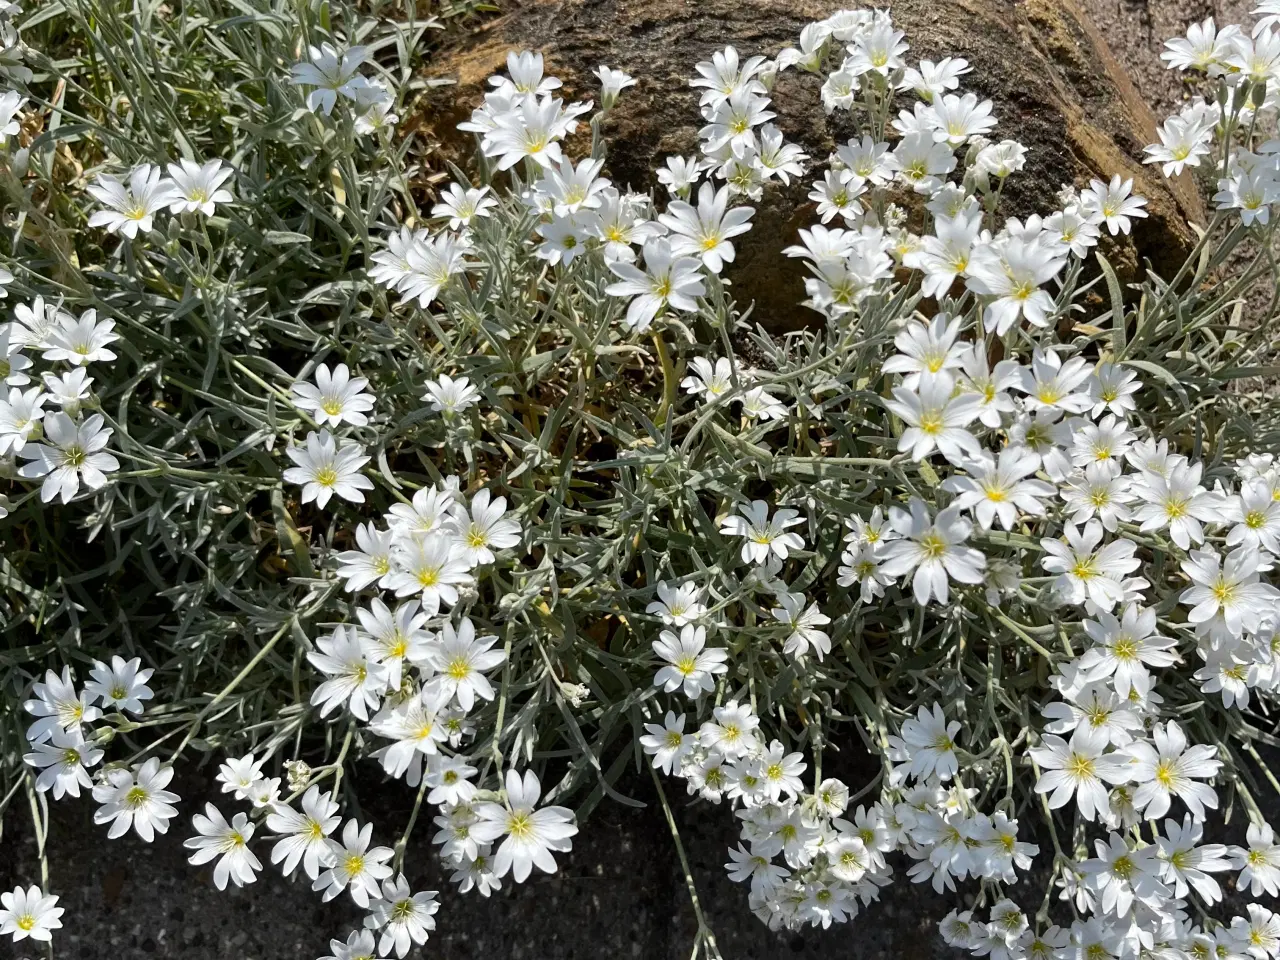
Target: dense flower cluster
column 503, row 477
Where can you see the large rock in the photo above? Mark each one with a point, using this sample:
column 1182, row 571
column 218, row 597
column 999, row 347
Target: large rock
column 1056, row 87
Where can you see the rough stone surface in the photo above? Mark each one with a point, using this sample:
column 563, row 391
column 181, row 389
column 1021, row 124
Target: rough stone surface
column 1055, row 84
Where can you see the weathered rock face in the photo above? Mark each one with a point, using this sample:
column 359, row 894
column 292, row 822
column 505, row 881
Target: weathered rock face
column 1055, row 85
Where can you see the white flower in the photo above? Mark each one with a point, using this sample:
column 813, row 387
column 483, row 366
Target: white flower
column 357, row 679
column 531, row 130
column 450, row 396
column 198, row 186
column 131, row 208
column 679, row 175
column 1085, row 572
column 429, row 564
column 1204, row 48
column 326, row 467
column 70, row 390
column 724, row 75
column 1121, row 873
column 335, row 398
column 780, row 772
column 929, row 79
column 526, row 78
column 58, row 707
column 1107, row 441
column 1251, row 192
column 29, row 913
column 61, row 761
column 461, row 205
column 418, row 728
column 476, row 873
column 331, row 72
column 238, row 774
column 73, row 455
column 691, row 664
column 878, row 48
column 1001, row 159
column 920, row 162
column 404, row 918
column 705, row 231
column 956, row 119
column 803, row 622
column 531, row 835
column 1176, row 501
column 1092, row 704
column 485, row 529
column 138, row 800
column 1072, row 230
column 19, row 416
column 1186, row 863
column 1168, row 766
column 1259, row 863
column 461, row 659
column 359, row 946
column 928, row 742
column 426, row 513
column 861, row 565
column 618, row 224
column 564, row 238
column 991, row 386
column 936, row 418
column 354, row 866
column 837, row 193
column 732, row 123
column 666, row 281
column 946, row 254
column 1078, row 769
column 229, row 842
column 999, row 488
column 448, row 779
column 1100, row 490
column 370, row 562
column 763, row 535
column 1232, row 591
column 80, row 341
column 396, row 637
column 35, row 322
column 612, row 82
column 1255, row 513
column 11, row 104
column 667, row 743
column 926, row 350
column 867, row 159
column 13, row 362
column 122, row 685
column 934, row 549
column 753, row 865
column 732, row 732
column 1112, row 204
column 678, row 605
column 1259, row 935
column 304, row 834
column 1183, row 142
column 428, row 265
column 1124, row 648
column 376, row 108
column 1014, row 273
column 759, row 404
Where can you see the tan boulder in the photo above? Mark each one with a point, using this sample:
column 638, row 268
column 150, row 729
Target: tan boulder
column 1055, row 85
